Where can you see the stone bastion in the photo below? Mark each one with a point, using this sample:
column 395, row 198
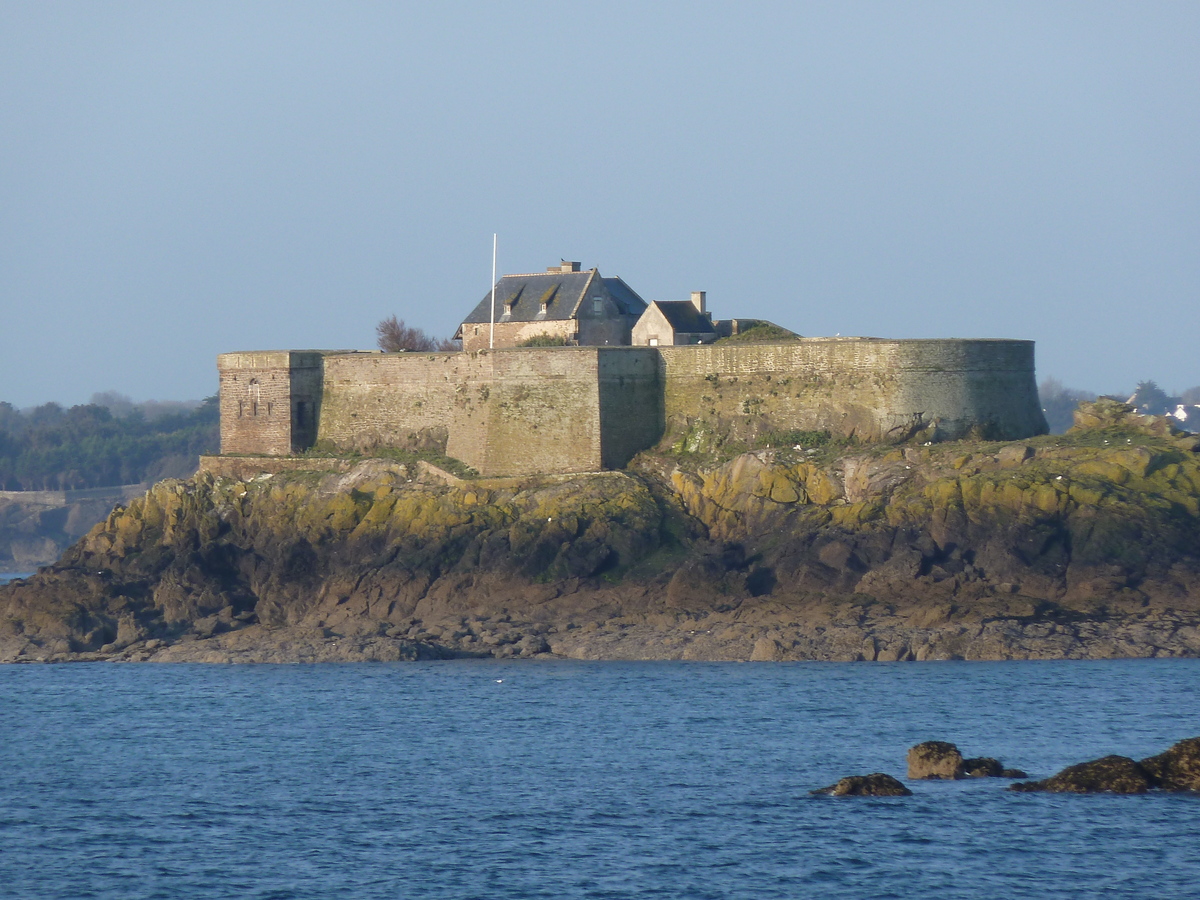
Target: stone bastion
column 553, row 410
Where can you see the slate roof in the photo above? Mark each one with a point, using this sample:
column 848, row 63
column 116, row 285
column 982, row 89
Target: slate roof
column 684, row 318
column 563, row 293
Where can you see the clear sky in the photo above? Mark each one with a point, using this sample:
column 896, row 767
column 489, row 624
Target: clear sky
column 183, row 179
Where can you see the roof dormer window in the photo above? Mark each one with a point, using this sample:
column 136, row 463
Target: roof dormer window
column 511, row 303
column 548, row 298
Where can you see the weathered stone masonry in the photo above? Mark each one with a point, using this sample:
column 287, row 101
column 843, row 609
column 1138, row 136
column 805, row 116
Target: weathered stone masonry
column 875, row 389
column 269, row 400
column 555, row 410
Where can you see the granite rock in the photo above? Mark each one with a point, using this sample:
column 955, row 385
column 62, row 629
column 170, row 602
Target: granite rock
column 935, row 759
column 875, row 785
column 1110, row 774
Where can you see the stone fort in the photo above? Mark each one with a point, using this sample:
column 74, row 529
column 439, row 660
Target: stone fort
column 597, row 400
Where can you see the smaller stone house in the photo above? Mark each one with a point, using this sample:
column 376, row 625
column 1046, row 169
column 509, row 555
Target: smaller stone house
column 563, row 303
column 667, row 323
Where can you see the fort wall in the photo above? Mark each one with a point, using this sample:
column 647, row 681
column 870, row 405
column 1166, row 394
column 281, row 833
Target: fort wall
column 866, row 387
column 578, row 409
column 268, row 400
column 507, row 412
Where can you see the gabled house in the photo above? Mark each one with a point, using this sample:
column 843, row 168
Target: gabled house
column 668, row 323
column 563, row 304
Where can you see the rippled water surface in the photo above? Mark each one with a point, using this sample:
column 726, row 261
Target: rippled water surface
column 569, row 779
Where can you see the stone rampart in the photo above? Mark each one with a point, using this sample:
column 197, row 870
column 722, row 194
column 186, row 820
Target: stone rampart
column 504, row 412
column 866, row 387
column 526, row 411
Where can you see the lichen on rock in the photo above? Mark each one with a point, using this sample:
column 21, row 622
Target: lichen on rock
column 1073, row 546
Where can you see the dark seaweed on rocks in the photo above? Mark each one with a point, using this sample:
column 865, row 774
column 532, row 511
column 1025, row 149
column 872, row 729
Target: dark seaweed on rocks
column 1084, row 545
column 1177, row 769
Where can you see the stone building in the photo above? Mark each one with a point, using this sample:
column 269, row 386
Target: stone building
column 667, row 323
column 563, row 304
column 594, row 401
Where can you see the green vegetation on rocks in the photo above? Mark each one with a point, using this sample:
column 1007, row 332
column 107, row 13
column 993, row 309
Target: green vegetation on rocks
column 1078, row 545
column 762, row 333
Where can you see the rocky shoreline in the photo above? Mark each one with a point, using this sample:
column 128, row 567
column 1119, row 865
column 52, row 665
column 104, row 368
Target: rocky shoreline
column 1078, row 546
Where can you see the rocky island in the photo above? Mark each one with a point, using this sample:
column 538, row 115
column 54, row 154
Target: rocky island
column 1084, row 545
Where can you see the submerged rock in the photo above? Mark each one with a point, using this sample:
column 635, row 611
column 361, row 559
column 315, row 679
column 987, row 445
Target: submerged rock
column 982, row 767
column 875, row 785
column 989, row 767
column 1107, row 775
column 1178, row 769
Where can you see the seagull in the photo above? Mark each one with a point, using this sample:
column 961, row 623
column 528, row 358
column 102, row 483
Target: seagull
column 499, row 681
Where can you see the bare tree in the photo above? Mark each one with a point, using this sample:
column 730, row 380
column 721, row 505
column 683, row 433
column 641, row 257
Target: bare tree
column 394, row 337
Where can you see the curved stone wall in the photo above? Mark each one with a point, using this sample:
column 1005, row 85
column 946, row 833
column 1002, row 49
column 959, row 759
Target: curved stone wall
column 871, row 388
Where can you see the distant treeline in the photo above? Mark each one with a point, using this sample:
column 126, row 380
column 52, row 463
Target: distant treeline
column 109, row 441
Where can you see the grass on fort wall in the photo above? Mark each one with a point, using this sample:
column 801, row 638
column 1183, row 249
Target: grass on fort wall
column 456, row 467
column 761, row 333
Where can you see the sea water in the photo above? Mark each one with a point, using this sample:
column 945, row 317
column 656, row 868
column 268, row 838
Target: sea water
column 519, row 779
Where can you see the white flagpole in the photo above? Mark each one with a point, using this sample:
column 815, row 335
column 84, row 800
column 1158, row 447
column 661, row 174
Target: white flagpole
column 492, row 333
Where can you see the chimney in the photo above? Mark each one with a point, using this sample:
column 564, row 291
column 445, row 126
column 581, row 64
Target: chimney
column 698, row 301
column 564, row 266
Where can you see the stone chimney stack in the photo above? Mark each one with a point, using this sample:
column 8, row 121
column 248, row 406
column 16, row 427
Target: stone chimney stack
column 564, row 266
column 699, row 302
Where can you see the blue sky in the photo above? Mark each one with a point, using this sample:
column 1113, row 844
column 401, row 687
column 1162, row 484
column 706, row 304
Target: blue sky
column 179, row 180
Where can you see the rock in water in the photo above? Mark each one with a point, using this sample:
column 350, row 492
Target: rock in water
column 935, row 759
column 988, row 767
column 1178, row 769
column 983, row 767
column 874, row 785
column 1110, row 774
